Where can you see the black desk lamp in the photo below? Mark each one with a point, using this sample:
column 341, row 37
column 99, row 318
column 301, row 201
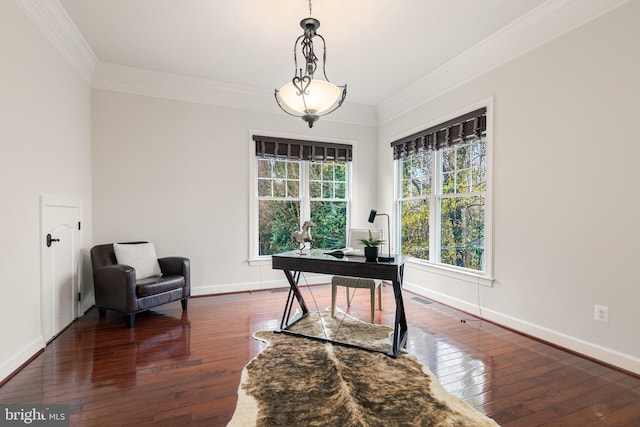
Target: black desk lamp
column 372, row 216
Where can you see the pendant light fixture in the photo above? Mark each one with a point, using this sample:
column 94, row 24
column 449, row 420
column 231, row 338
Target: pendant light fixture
column 307, row 96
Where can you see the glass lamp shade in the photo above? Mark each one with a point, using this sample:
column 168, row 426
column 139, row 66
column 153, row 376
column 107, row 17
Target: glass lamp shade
column 320, row 96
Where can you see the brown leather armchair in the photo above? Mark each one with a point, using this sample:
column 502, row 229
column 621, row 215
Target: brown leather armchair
column 116, row 287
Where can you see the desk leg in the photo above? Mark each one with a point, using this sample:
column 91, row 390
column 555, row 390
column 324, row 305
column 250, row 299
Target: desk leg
column 400, row 325
column 293, row 292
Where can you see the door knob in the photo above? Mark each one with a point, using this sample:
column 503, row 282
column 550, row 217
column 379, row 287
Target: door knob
column 51, row 240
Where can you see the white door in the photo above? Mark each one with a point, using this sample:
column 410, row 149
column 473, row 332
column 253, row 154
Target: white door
column 60, row 243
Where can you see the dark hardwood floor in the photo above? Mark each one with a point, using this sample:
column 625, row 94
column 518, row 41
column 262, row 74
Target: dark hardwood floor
column 178, row 369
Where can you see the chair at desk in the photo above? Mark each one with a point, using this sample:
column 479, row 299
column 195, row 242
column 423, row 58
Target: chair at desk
column 355, row 282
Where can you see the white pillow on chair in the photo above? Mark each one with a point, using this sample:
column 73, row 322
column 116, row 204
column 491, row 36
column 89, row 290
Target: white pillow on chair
column 141, row 256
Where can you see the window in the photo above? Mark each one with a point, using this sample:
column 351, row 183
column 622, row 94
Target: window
column 442, row 184
column 278, row 203
column 328, row 203
column 297, row 181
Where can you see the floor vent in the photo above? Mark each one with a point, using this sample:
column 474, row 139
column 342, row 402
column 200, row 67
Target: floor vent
column 422, row 300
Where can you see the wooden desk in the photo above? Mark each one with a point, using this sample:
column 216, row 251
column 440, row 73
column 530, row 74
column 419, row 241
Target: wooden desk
column 317, row 261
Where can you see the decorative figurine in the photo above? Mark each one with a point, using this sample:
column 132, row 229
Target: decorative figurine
column 303, row 236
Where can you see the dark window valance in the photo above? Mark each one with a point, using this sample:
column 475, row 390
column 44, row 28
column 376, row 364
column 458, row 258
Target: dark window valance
column 451, row 132
column 297, row 149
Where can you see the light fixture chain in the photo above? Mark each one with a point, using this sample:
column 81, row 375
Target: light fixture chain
column 309, row 7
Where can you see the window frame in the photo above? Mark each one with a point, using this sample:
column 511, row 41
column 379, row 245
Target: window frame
column 482, row 277
column 304, row 194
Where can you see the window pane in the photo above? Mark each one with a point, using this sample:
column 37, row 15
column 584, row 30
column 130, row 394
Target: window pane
column 327, row 190
column 277, row 220
column 479, row 165
column 448, row 182
column 279, row 188
column 293, row 169
column 264, row 168
column 293, row 189
column 416, row 175
column 415, row 228
column 462, row 232
column 448, row 160
column 315, row 189
column 463, row 181
column 315, row 171
column 264, row 188
column 341, row 190
column 279, row 169
column 462, row 157
column 327, row 171
column 330, row 218
column 479, row 181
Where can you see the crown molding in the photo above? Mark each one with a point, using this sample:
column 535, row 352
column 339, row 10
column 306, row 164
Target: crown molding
column 541, row 25
column 548, row 21
column 138, row 81
column 54, row 23
column 52, row 20
column 120, row 78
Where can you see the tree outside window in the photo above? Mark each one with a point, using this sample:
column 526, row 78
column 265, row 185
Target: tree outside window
column 461, row 205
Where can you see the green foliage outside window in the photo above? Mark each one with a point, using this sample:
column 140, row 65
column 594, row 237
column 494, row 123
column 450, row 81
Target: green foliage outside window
column 331, row 224
column 415, row 228
column 458, row 200
column 416, row 189
column 277, row 220
column 280, row 202
column 462, row 232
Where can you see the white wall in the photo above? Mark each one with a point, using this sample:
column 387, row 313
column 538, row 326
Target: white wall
column 565, row 194
column 177, row 174
column 45, row 131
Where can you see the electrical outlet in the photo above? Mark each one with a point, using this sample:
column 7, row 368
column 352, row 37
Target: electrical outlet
column 601, row 313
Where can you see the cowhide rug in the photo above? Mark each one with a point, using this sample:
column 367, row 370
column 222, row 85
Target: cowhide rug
column 302, row 382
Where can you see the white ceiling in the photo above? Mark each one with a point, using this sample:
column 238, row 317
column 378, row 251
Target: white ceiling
column 377, row 47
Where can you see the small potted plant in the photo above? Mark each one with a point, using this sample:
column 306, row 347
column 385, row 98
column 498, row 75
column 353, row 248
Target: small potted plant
column 371, row 247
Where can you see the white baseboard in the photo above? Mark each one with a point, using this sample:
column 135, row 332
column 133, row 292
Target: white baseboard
column 603, row 354
column 20, row 357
